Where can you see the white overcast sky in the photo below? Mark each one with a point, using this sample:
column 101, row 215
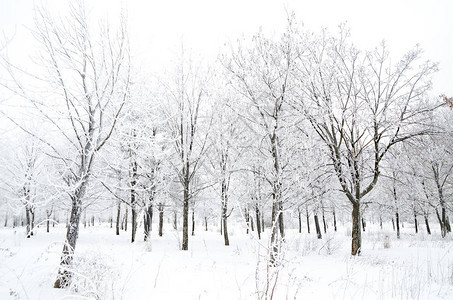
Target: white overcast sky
column 157, row 26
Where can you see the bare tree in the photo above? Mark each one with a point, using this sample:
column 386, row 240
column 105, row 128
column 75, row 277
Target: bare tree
column 188, row 124
column 87, row 76
column 361, row 105
column 262, row 75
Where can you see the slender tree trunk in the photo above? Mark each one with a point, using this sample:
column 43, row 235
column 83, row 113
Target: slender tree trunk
column 118, row 217
column 185, row 216
column 175, row 220
column 363, row 224
column 308, row 219
column 161, row 218
column 397, row 216
column 324, row 223
column 28, row 219
column 258, row 222
column 125, row 218
column 6, row 218
column 428, row 230
column 193, row 222
column 415, row 222
column 380, row 221
column 318, row 229
column 300, row 220
column 281, row 224
column 206, row 223
column 247, row 220
column 148, row 221
column 262, row 221
column 447, row 224
column 225, row 231
column 334, row 220
column 356, row 230
column 252, row 224
column 393, row 224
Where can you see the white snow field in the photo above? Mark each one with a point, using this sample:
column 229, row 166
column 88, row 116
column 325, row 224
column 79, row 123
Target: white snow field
column 110, row 267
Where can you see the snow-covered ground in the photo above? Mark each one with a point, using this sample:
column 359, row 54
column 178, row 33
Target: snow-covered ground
column 110, row 267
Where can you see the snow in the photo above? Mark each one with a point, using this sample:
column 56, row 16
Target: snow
column 110, row 267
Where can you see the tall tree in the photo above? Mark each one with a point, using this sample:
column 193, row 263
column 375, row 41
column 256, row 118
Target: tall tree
column 361, row 105
column 86, row 71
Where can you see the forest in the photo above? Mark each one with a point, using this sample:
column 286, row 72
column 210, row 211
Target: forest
column 294, row 165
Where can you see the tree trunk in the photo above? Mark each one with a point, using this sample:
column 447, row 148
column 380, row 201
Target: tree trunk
column 252, row 224
column 175, row 220
column 185, row 217
column 224, row 225
column 447, row 224
column 393, row 224
column 428, row 230
column 262, row 222
column 318, row 229
column 206, row 223
column 380, row 221
column 281, row 224
column 308, row 219
column 324, row 223
column 193, row 222
column 225, row 231
column 334, row 220
column 258, row 222
column 64, row 274
column 125, row 218
column 118, row 217
column 397, row 216
column 6, row 218
column 28, row 219
column 148, row 221
column 356, row 230
column 247, row 220
column 300, row 221
column 161, row 218
column 442, row 223
column 415, row 222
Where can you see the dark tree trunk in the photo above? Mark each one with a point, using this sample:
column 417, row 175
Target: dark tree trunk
column 380, row 221
column 415, row 222
column 324, row 223
column 118, row 217
column 175, row 220
column 225, row 232
column 393, row 224
column 92, row 220
column 64, row 275
column 252, row 226
column 185, row 216
column 258, row 222
column 247, row 220
column 428, row 230
column 125, row 218
column 161, row 218
column 363, row 224
column 281, row 224
column 442, row 223
column 262, row 222
column 6, row 218
column 300, row 220
column 334, row 220
column 28, row 221
column 318, row 229
column 308, row 219
column 111, row 222
column 193, row 222
column 148, row 221
column 356, row 230
column 206, row 223
column 397, row 216
column 447, row 224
